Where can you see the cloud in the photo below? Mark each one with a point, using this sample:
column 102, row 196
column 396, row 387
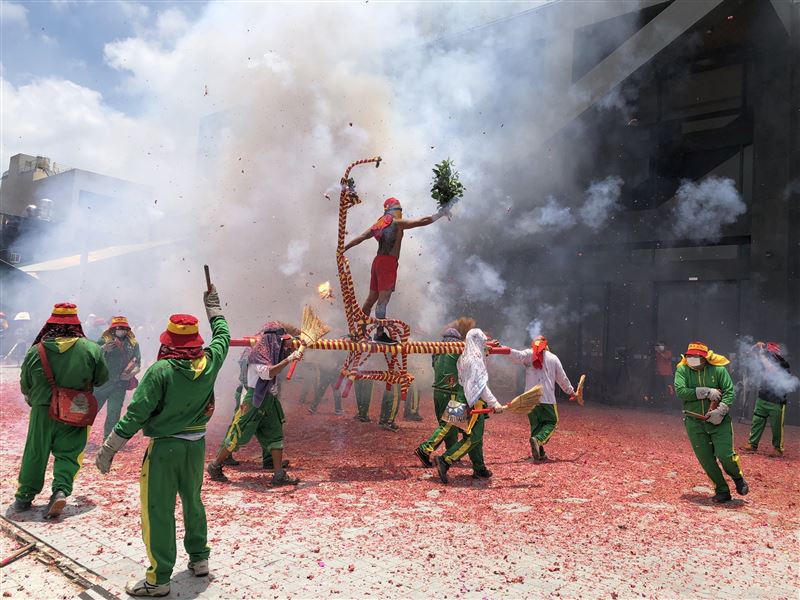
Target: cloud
column 83, row 131
column 13, row 14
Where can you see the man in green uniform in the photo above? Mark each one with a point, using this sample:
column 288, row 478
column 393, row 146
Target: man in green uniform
column 770, row 407
column 390, row 405
column 78, row 364
column 445, row 388
column 411, row 405
column 124, row 359
column 472, row 390
column 706, row 388
column 172, row 405
column 260, row 412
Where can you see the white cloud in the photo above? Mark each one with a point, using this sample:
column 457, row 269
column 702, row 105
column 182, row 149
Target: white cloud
column 71, row 124
column 13, row 14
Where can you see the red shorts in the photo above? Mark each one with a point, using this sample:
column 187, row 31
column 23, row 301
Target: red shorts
column 383, row 275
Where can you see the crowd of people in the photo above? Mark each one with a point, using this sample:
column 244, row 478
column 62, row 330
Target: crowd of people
column 66, row 378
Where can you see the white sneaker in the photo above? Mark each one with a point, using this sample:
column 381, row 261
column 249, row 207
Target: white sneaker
column 199, row 568
column 142, row 588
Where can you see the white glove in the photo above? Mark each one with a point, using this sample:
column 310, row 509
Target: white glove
column 107, row 451
column 715, row 395
column 296, row 355
column 442, row 212
column 702, row 392
column 499, row 409
column 715, row 416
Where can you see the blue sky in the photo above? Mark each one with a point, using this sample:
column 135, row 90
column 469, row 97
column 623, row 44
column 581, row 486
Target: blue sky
column 66, row 39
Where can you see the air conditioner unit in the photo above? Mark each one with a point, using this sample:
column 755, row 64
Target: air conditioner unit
column 14, row 258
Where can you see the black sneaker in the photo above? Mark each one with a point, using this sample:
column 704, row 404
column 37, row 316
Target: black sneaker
column 721, row 497
column 21, row 505
column 230, row 462
column 414, row 417
column 382, row 338
column 215, row 472
column 535, row 452
column 390, row 427
column 423, row 457
column 741, row 486
column 362, row 418
column 483, row 473
column 442, row 467
column 56, row 506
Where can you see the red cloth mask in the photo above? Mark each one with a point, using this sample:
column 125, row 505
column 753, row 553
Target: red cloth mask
column 539, row 345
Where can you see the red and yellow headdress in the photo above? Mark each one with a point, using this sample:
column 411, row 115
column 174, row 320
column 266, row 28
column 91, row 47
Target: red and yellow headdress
column 182, row 332
column 701, row 350
column 64, row 313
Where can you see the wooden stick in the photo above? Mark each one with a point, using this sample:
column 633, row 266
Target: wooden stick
column 208, row 277
column 17, row 554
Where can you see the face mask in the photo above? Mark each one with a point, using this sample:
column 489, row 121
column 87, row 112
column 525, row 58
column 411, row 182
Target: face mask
column 695, row 362
column 121, row 333
column 660, row 348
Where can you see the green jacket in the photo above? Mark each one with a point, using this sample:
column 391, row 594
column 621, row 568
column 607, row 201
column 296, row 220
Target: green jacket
column 177, row 396
column 687, row 379
column 119, row 356
column 77, row 363
column 445, row 373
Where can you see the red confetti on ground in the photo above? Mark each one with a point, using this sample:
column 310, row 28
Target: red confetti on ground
column 622, row 505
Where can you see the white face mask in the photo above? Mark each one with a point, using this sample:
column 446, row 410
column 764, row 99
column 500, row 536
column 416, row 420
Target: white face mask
column 695, row 362
column 660, row 348
column 121, row 333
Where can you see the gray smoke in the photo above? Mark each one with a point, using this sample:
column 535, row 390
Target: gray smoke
column 551, row 318
column 481, row 281
column 763, row 371
column 602, row 201
column 703, row 209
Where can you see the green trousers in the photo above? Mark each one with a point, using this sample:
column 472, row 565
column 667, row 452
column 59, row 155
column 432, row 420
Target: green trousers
column 46, row 436
column 443, row 433
column 470, row 443
column 411, row 405
column 390, row 403
column 767, row 412
column 712, row 443
column 543, row 419
column 363, row 391
column 172, row 467
column 113, row 397
column 265, row 422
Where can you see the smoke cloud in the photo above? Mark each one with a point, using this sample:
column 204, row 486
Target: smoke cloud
column 762, row 371
column 704, row 208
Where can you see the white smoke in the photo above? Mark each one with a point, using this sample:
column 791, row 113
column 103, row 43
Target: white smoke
column 703, row 209
column 554, row 217
column 602, row 201
column 550, row 318
column 762, row 370
column 481, row 281
column 295, row 252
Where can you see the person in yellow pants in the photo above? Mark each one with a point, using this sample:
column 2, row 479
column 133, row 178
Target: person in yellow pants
column 172, row 406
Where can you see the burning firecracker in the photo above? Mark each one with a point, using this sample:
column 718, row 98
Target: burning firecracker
column 325, row 291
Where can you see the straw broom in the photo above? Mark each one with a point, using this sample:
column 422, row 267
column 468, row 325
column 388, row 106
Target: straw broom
column 521, row 405
column 579, row 391
column 312, row 329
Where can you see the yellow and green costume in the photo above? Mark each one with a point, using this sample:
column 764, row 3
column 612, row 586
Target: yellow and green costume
column 712, row 444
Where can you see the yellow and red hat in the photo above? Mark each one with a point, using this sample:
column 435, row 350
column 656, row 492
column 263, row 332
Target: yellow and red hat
column 182, row 332
column 64, row 313
column 119, row 321
column 697, row 349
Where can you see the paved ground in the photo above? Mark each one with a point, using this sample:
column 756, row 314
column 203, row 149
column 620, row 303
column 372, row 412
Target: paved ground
column 622, row 511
